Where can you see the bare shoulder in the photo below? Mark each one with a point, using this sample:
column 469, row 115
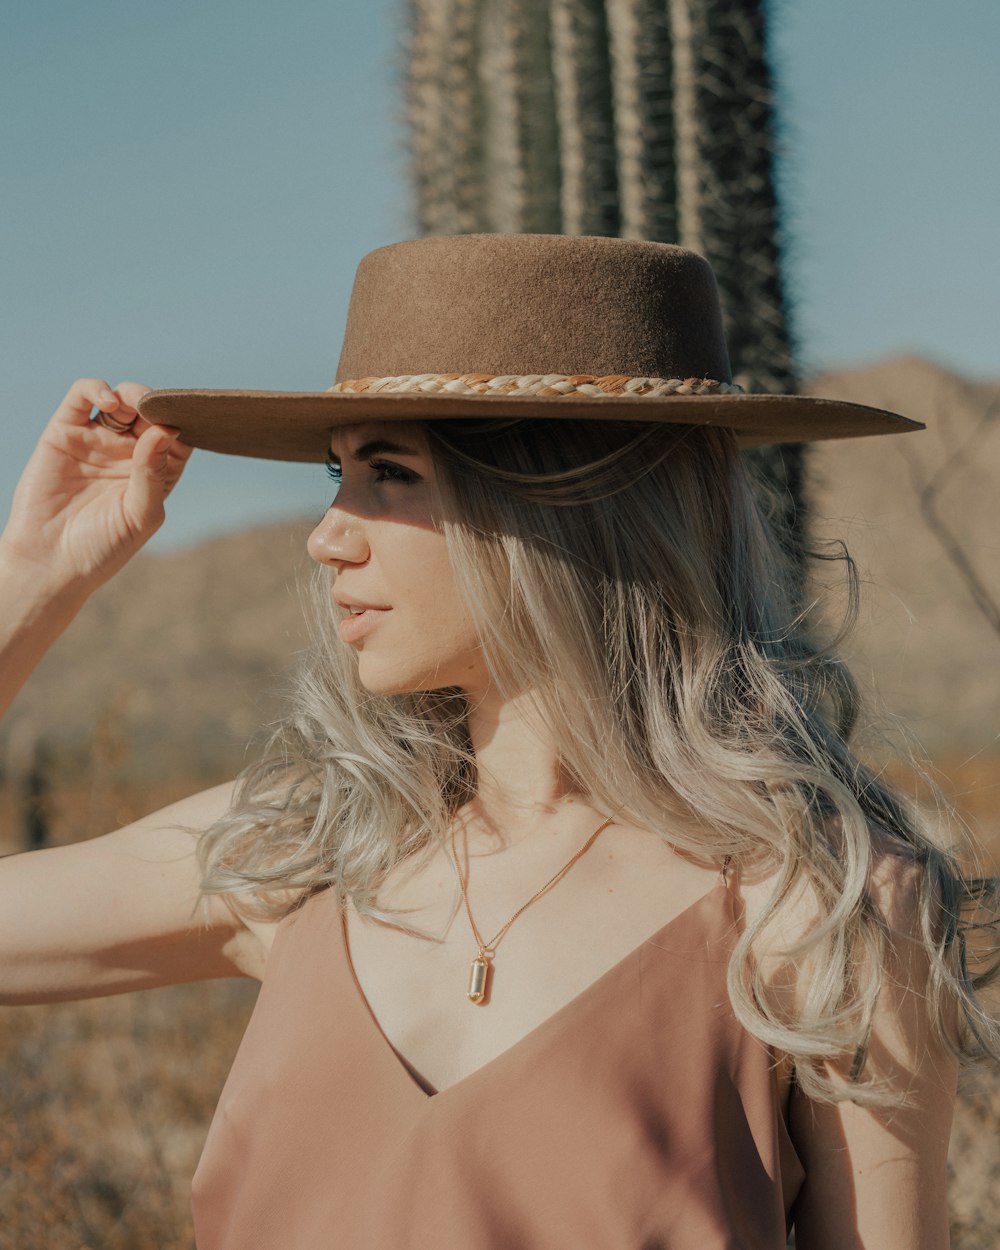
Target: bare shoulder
column 875, row 1174
column 895, row 885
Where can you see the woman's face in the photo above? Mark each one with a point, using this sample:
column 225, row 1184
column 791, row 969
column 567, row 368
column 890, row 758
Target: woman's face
column 382, row 538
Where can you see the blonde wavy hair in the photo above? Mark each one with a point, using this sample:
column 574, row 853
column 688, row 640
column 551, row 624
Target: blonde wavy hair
column 629, row 574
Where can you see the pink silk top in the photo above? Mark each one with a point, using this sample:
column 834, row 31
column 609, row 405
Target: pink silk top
column 640, row 1116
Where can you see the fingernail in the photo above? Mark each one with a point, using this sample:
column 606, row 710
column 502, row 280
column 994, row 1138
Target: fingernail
column 105, row 394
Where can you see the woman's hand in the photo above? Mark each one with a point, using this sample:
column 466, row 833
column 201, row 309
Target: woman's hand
column 89, row 497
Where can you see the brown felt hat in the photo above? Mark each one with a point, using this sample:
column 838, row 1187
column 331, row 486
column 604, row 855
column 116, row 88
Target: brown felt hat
column 523, row 325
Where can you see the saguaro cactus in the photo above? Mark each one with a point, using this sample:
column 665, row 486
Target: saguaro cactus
column 617, row 117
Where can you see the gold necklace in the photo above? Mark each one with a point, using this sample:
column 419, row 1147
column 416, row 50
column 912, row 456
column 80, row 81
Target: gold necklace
column 480, row 968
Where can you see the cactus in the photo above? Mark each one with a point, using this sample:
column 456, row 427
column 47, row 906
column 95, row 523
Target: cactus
column 617, row 117
column 581, row 68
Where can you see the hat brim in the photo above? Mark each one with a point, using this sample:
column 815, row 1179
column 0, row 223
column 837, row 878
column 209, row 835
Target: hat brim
column 289, row 425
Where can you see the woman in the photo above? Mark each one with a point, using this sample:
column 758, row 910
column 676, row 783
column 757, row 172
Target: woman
column 578, row 923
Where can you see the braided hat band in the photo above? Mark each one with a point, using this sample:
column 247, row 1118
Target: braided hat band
column 547, row 385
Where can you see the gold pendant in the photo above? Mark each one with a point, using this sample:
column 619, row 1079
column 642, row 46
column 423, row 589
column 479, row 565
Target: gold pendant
column 479, row 972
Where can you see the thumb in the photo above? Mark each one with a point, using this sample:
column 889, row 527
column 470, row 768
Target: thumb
column 154, row 472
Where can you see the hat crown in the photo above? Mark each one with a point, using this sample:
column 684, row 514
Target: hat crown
column 534, row 304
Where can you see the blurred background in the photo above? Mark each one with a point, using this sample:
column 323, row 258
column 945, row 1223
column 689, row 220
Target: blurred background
column 189, row 188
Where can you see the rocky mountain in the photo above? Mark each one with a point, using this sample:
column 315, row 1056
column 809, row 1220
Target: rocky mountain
column 919, row 513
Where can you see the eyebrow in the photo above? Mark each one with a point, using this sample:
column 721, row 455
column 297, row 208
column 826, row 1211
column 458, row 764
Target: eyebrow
column 374, row 447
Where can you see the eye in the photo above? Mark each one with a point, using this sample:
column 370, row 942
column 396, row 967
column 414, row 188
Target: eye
column 386, row 471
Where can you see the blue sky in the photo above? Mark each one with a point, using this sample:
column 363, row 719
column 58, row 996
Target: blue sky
column 189, row 186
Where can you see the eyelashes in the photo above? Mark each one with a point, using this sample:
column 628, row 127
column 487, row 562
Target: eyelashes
column 385, row 471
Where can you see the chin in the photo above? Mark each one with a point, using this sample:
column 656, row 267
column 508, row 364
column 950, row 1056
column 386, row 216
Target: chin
column 381, row 675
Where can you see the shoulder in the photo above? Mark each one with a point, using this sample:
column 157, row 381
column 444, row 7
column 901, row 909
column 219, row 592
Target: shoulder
column 801, row 945
column 875, row 1171
column 895, row 885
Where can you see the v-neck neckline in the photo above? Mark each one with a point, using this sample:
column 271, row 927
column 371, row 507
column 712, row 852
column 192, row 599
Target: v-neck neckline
column 423, row 1087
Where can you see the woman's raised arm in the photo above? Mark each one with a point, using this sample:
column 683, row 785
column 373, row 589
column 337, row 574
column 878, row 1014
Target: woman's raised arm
column 118, row 912
column 88, row 499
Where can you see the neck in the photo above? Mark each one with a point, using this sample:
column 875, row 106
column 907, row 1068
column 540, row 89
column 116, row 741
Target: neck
column 523, row 788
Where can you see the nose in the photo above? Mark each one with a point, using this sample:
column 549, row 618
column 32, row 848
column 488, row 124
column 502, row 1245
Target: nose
column 339, row 539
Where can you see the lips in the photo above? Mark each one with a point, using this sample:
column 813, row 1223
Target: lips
column 357, row 605
column 360, row 619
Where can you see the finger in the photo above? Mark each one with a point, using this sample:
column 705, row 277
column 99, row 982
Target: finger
column 127, row 410
column 178, row 454
column 154, row 473
column 131, row 392
column 81, row 399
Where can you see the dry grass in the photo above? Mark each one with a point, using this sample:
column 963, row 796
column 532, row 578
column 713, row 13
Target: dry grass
column 105, row 1105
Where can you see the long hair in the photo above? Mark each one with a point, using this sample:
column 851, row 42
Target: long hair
column 627, row 575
